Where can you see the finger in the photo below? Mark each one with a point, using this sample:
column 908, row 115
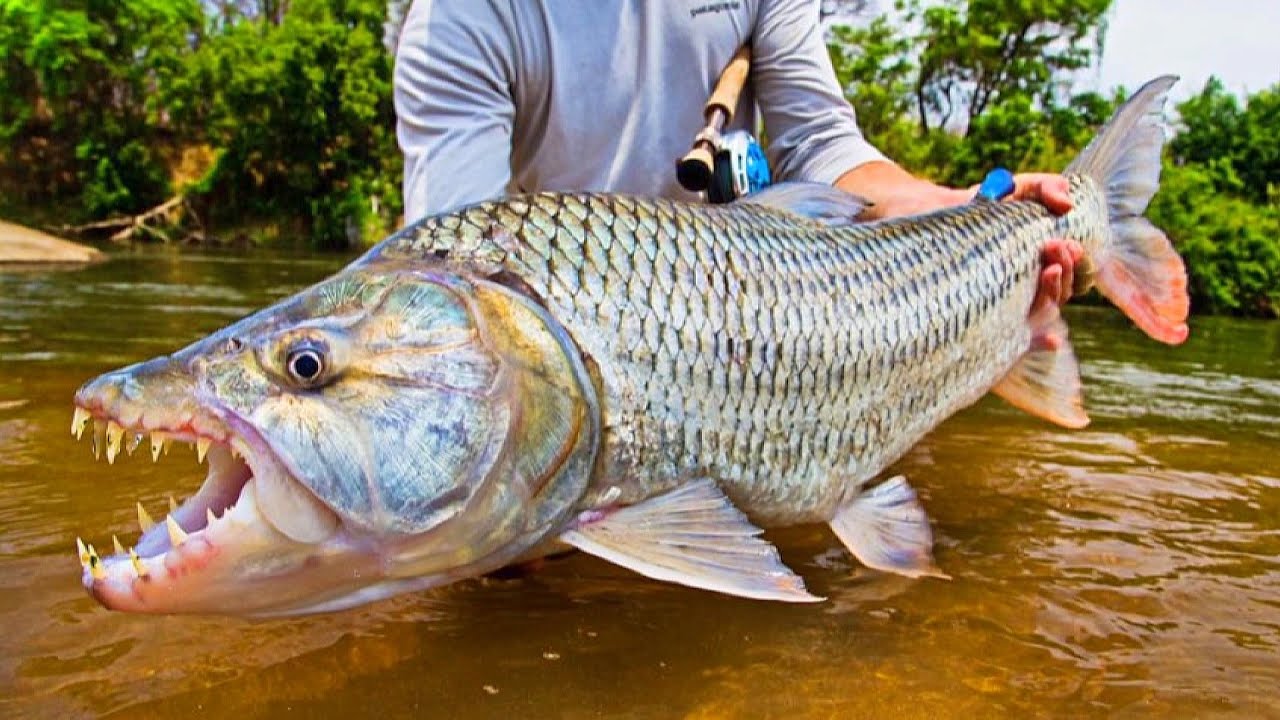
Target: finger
column 1048, row 289
column 1052, row 190
column 1076, row 250
column 1062, row 254
column 1047, row 341
column 1055, row 252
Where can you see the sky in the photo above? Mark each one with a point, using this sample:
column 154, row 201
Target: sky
column 1237, row 40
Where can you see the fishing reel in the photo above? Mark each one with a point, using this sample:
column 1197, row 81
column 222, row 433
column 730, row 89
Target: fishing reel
column 740, row 168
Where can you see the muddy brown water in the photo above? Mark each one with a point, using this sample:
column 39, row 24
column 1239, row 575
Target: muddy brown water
column 1131, row 569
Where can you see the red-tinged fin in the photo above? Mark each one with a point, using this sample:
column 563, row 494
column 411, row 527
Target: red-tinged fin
column 886, row 528
column 1137, row 267
column 692, row 536
column 1046, row 381
column 1142, row 274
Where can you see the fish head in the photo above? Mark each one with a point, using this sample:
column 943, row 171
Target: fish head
column 386, row 430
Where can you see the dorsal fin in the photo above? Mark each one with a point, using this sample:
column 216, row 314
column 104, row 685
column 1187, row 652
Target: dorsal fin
column 824, row 203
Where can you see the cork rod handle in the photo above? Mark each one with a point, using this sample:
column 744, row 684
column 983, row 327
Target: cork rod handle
column 729, row 87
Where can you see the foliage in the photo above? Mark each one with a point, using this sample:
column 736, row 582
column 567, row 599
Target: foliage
column 76, row 110
column 1231, row 244
column 871, row 64
column 1216, row 128
column 976, row 55
column 303, row 113
column 100, row 100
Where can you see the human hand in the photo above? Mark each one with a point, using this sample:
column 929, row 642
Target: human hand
column 896, row 193
column 1059, row 256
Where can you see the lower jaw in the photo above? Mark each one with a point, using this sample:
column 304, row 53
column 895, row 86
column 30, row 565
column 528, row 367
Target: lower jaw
column 226, row 576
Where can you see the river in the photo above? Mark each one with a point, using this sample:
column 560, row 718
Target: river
column 1131, row 569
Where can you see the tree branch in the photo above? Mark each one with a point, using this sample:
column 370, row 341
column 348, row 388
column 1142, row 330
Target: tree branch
column 126, row 227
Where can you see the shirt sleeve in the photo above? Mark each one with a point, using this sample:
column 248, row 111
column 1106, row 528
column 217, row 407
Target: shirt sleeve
column 454, row 105
column 813, row 133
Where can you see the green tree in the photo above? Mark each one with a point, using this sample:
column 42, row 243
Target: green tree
column 76, row 109
column 872, row 66
column 302, row 120
column 1215, row 126
column 976, row 54
column 1230, row 245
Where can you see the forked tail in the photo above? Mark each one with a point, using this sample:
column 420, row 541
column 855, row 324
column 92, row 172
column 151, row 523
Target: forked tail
column 1137, row 267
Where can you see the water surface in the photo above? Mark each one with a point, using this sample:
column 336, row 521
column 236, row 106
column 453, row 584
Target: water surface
column 1131, row 569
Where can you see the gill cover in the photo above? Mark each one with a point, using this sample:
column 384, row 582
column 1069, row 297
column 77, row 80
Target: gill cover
column 447, row 415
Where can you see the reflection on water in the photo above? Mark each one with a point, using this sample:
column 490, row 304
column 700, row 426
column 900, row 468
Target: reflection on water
column 1130, row 569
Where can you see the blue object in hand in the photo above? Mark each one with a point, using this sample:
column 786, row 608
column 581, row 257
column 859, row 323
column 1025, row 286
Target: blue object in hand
column 997, row 185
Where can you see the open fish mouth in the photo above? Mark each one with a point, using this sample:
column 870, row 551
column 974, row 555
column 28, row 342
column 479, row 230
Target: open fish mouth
column 161, row 547
column 249, row 524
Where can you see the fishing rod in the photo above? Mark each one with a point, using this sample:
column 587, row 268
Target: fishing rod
column 725, row 166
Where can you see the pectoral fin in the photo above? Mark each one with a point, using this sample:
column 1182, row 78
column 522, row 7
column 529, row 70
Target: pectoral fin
column 886, row 528
column 692, row 536
column 1046, row 381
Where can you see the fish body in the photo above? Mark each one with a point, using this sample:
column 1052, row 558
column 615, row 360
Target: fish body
column 646, row 380
column 792, row 359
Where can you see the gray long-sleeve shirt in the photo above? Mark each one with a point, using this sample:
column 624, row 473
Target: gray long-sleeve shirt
column 497, row 96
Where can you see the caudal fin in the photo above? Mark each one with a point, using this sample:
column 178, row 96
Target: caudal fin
column 1137, row 267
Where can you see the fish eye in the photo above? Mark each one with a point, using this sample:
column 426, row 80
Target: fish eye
column 305, row 365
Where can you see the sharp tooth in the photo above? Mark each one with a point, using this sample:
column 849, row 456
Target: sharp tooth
column 176, row 534
column 99, row 429
column 158, row 441
column 144, row 519
column 208, row 517
column 95, row 565
column 138, row 567
column 115, row 543
column 114, row 433
column 83, row 552
column 79, row 419
column 202, row 448
column 173, row 504
column 134, row 441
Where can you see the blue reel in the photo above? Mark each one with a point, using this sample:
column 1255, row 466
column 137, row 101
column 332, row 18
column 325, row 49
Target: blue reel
column 741, row 168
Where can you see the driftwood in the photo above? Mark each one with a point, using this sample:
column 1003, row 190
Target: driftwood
column 155, row 223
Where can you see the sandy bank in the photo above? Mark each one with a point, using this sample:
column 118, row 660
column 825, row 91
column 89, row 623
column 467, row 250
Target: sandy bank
column 22, row 245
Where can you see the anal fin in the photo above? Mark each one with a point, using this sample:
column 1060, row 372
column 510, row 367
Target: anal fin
column 691, row 536
column 1046, row 381
column 887, row 529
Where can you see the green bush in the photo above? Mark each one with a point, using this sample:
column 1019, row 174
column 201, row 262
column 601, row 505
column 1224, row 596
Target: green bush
column 1231, row 246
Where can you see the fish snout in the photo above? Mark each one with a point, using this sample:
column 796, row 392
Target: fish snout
column 157, row 393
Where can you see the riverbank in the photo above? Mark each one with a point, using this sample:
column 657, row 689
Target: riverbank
column 21, row 245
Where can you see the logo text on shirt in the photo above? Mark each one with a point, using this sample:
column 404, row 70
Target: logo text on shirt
column 714, row 7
